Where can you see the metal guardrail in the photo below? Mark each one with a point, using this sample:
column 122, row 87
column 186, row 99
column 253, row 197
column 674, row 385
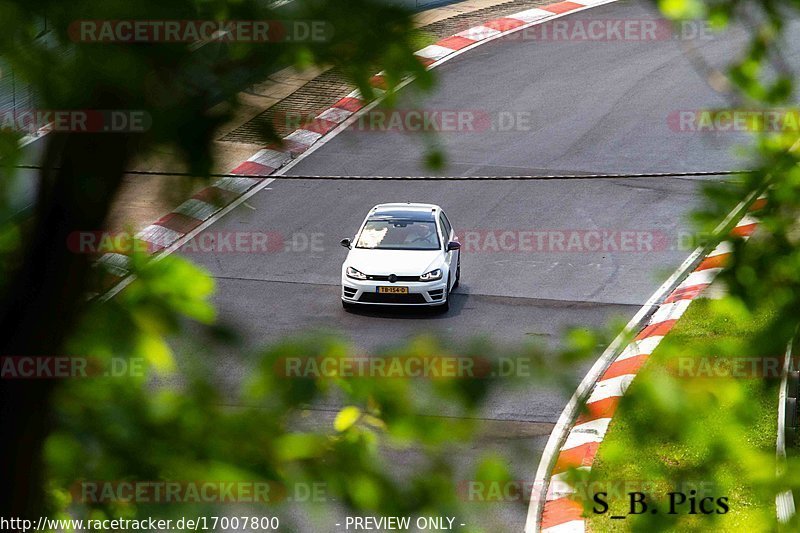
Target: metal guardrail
column 787, row 428
column 16, row 95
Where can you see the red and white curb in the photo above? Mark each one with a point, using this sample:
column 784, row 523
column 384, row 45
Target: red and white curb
column 164, row 233
column 560, row 513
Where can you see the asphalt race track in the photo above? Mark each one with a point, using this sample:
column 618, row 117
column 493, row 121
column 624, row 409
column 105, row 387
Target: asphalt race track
column 594, row 107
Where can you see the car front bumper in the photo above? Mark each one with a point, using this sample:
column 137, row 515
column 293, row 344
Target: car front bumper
column 419, row 293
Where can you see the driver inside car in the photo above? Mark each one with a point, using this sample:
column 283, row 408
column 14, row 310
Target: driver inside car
column 421, row 232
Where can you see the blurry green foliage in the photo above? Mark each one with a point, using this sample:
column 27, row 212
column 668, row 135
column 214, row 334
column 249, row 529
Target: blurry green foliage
column 675, row 432
column 174, row 423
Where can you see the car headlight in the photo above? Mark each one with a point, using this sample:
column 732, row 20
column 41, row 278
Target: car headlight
column 355, row 274
column 433, row 275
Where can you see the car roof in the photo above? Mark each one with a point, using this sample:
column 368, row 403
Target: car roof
column 405, row 211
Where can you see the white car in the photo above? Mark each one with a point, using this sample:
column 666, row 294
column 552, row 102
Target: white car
column 403, row 254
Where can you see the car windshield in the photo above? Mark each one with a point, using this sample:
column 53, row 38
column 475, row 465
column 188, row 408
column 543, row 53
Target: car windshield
column 399, row 235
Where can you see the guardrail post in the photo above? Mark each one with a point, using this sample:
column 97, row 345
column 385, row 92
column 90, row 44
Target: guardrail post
column 787, row 432
column 791, row 422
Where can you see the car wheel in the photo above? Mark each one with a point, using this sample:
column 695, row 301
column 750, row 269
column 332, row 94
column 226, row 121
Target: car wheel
column 458, row 272
column 347, row 306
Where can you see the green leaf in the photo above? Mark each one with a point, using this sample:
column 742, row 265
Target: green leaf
column 295, row 446
column 682, row 9
column 157, row 352
column 346, row 418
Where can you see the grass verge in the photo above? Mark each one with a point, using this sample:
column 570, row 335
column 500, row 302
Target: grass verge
column 701, row 416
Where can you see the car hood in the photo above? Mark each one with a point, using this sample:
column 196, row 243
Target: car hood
column 400, row 262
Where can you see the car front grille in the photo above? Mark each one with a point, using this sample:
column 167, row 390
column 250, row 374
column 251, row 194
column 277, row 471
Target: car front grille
column 399, row 278
column 377, row 298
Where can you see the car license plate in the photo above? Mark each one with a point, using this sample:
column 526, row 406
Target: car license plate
column 393, row 290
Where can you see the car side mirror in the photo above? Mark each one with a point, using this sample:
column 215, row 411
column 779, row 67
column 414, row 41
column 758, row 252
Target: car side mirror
column 345, row 243
column 453, row 245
